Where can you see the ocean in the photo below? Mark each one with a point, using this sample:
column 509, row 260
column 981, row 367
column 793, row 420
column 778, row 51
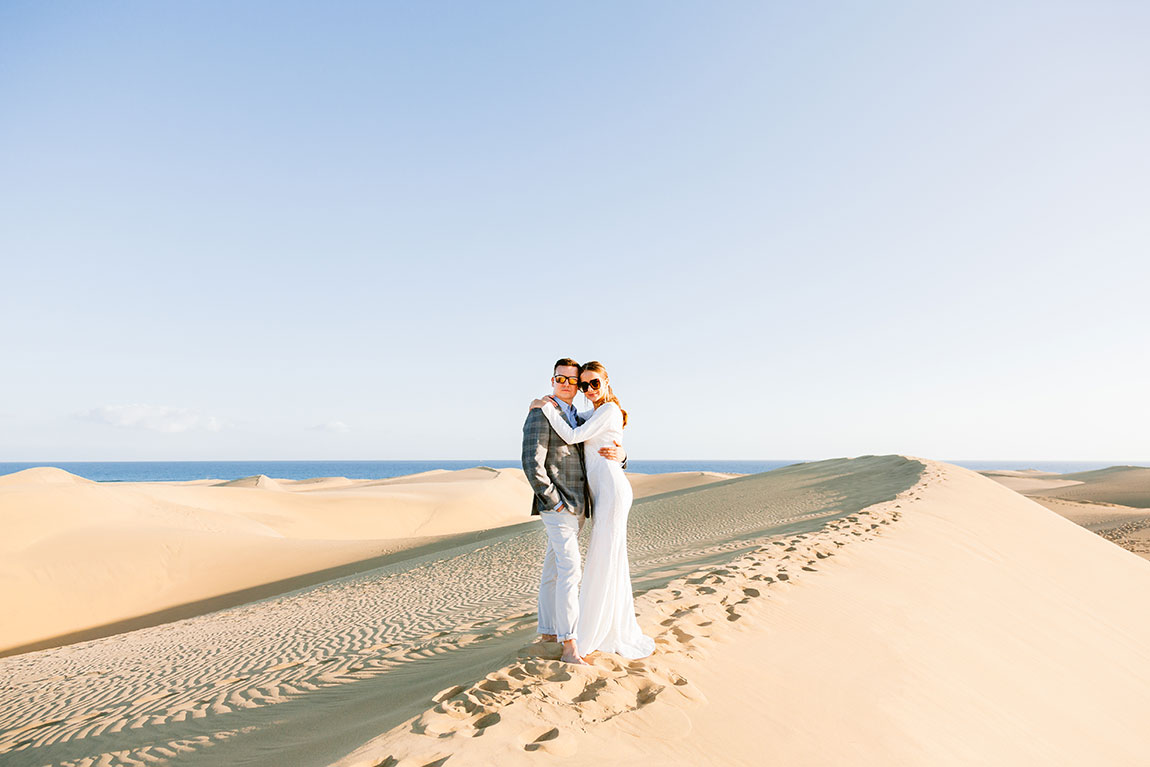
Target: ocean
column 167, row 471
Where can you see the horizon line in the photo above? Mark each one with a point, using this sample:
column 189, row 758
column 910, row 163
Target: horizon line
column 511, row 460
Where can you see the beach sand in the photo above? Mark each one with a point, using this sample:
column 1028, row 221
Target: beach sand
column 871, row 611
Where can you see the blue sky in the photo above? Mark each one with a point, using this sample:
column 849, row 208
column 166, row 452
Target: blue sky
column 365, row 230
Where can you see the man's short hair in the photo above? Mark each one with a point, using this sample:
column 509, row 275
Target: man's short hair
column 565, row 362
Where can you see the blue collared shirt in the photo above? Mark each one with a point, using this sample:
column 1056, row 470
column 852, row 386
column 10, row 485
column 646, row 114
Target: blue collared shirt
column 568, row 412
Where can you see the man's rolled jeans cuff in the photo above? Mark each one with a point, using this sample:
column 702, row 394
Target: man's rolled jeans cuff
column 566, row 637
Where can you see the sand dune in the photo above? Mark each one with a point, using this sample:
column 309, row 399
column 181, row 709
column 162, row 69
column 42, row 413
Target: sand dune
column 82, row 556
column 1113, row 502
column 304, row 677
column 1122, row 485
column 874, row 611
column 261, row 481
column 42, row 475
column 958, row 624
column 79, row 555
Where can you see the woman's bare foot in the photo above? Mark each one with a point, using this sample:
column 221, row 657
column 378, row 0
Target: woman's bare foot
column 571, row 655
column 549, row 637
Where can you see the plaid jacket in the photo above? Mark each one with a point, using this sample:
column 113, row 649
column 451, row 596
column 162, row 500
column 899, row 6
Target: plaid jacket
column 554, row 468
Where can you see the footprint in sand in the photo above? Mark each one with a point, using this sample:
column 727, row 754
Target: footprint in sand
column 494, row 685
column 548, row 741
column 437, row 760
column 487, row 720
column 450, row 692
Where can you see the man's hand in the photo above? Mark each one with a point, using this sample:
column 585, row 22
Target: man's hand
column 613, row 453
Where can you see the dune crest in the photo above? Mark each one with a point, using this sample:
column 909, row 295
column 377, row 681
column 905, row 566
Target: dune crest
column 43, row 475
column 261, row 481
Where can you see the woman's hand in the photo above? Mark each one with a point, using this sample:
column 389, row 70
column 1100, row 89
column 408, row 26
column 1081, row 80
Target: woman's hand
column 536, row 403
column 613, row 453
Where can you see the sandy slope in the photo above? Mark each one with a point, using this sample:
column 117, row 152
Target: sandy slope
column 1113, row 502
column 959, row 624
column 80, row 556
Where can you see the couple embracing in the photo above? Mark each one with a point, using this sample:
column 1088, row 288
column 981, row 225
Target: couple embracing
column 573, row 484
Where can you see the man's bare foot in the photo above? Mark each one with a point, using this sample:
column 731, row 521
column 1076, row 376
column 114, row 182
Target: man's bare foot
column 549, row 637
column 571, row 655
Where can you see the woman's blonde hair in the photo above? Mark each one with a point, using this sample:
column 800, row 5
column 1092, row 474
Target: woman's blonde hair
column 594, row 366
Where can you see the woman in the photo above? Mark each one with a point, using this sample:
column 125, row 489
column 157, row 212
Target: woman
column 606, row 605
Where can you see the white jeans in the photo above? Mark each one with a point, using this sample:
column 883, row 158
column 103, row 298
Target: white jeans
column 559, row 586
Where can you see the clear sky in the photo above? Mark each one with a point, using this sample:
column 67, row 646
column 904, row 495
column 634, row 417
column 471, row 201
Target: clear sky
column 365, row 230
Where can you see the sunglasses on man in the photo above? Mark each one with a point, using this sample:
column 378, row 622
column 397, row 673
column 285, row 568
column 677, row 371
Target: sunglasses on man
column 565, row 380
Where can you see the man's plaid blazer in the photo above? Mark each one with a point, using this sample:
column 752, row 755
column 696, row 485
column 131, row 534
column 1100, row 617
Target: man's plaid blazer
column 554, row 468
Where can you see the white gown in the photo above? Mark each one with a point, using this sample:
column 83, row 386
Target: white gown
column 606, row 605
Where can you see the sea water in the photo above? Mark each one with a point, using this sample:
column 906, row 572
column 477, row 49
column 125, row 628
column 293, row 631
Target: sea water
column 168, row 471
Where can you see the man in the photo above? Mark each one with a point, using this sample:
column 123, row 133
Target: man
column 557, row 475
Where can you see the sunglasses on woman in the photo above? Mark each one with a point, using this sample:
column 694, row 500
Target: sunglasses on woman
column 594, row 383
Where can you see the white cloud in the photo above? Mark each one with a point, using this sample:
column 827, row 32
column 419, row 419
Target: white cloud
column 335, row 427
column 170, row 420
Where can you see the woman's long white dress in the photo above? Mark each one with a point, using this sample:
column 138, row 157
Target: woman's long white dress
column 606, row 604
